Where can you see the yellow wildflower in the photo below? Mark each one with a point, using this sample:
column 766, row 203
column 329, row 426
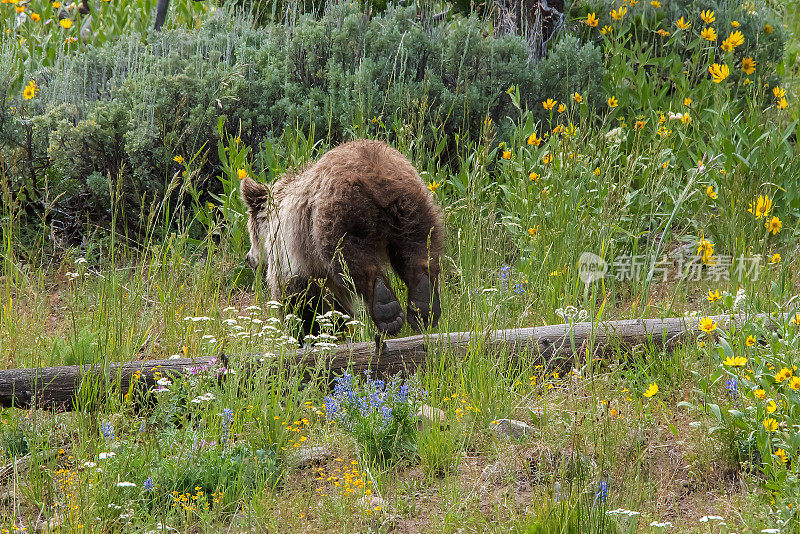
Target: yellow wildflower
column 655, row 3
column 770, row 424
column 718, row 72
column 433, row 186
column 773, row 225
column 606, row 30
column 549, row 104
column 761, row 206
column 708, row 16
column 708, row 34
column 760, row 393
column 707, row 325
column 591, row 20
column 682, row 24
column 533, row 140
column 577, row 98
column 782, row 103
column 748, row 66
column 734, row 39
column 30, row 90
column 750, row 341
column 241, row 174
column 613, row 102
column 66, row 23
column 735, row 23
column 506, row 154
column 178, row 158
column 736, row 361
column 562, row 108
column 713, row 296
column 711, row 192
column 534, row 176
column 775, row 258
column 781, row 454
column 651, row 390
column 617, row 14
column 767, row 28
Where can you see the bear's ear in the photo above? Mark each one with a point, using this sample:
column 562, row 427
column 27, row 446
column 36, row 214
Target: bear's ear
column 254, row 194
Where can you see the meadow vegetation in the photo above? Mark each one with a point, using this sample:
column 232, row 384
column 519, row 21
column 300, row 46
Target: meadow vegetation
column 659, row 136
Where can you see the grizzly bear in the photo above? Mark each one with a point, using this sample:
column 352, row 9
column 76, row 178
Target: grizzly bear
column 332, row 226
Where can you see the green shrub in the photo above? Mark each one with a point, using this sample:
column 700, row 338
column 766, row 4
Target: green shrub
column 108, row 123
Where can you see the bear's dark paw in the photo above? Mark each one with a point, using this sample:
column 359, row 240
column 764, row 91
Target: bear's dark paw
column 386, row 309
column 423, row 309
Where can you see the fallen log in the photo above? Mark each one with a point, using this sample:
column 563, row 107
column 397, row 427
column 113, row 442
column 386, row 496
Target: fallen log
column 59, row 387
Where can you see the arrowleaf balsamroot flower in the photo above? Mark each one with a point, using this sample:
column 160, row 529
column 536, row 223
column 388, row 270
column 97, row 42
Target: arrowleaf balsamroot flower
column 613, row 102
column 779, row 92
column 719, row 72
column 30, row 90
column 712, row 194
column 761, row 206
column 591, row 20
column 774, row 225
column 713, row 296
column 241, row 174
column 708, row 34
column 748, row 66
column 617, row 14
column 770, row 424
column 734, row 39
column 735, row 361
column 577, row 97
column 707, row 325
column 708, row 16
column 682, row 24
column 706, row 250
column 651, row 390
column 549, row 104
column 533, row 140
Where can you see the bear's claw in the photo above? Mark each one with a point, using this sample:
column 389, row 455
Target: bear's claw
column 386, row 309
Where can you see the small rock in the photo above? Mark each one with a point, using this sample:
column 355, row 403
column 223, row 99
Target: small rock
column 308, row 456
column 512, row 428
column 428, row 415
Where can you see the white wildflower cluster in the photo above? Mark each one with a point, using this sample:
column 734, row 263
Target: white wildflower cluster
column 623, row 513
column 572, row 314
column 206, row 397
column 738, row 300
column 80, row 269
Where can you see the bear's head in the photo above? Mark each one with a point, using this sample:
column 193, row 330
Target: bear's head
column 257, row 198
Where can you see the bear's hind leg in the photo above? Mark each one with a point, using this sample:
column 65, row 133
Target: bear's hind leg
column 358, row 263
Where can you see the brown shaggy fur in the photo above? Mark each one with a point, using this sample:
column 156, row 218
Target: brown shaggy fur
column 340, row 220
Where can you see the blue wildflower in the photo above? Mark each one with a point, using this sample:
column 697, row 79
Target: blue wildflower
column 148, row 484
column 505, row 274
column 519, row 288
column 602, row 492
column 107, row 429
column 732, row 386
column 227, row 416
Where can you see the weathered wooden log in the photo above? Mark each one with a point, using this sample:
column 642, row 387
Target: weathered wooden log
column 58, row 387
